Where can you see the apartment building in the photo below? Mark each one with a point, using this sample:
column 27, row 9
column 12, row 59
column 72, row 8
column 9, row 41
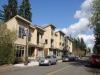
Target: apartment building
column 21, row 26
column 35, row 41
column 69, row 44
column 49, row 39
column 59, row 42
column 29, row 37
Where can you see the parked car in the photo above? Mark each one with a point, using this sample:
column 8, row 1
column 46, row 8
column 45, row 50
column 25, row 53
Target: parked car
column 95, row 60
column 71, row 58
column 77, row 58
column 49, row 60
column 65, row 58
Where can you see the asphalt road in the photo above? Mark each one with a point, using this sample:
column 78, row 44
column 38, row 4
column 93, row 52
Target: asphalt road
column 62, row 68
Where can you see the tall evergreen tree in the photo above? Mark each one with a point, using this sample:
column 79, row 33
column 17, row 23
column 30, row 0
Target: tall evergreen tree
column 25, row 10
column 95, row 22
column 80, row 46
column 9, row 10
column 83, row 45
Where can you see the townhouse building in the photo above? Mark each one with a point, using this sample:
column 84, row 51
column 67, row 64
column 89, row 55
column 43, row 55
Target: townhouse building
column 20, row 25
column 35, row 41
column 59, row 42
column 49, row 35
column 69, row 44
column 29, row 38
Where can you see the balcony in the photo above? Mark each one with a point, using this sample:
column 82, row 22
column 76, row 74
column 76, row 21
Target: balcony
column 41, row 43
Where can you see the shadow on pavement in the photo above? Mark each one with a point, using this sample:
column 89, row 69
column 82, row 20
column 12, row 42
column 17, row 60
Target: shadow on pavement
column 77, row 63
column 94, row 70
column 83, row 63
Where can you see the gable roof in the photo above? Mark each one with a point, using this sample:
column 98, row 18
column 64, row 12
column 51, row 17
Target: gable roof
column 53, row 26
column 60, row 32
column 39, row 27
column 23, row 19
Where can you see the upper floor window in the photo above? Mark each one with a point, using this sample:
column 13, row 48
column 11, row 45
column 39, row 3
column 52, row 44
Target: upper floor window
column 21, row 32
column 46, row 41
column 60, row 43
column 56, row 35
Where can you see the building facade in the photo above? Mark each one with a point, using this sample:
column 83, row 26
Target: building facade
column 35, row 41
column 59, row 42
column 69, row 44
column 48, row 37
column 20, row 26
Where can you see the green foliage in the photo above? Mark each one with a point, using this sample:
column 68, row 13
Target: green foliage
column 25, row 10
column 9, row 10
column 79, row 47
column 95, row 22
column 7, row 51
column 96, row 12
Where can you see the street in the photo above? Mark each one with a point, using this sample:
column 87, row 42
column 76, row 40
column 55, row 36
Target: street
column 62, row 68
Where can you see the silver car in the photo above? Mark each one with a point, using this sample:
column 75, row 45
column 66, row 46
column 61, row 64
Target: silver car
column 49, row 60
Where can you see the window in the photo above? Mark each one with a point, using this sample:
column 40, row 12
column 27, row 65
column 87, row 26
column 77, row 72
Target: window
column 56, row 35
column 52, row 43
column 19, row 51
column 38, row 38
column 60, row 43
column 46, row 41
column 21, row 32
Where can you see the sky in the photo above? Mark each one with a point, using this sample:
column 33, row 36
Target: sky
column 58, row 12
column 70, row 16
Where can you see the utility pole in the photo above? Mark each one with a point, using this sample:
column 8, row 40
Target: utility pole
column 26, row 50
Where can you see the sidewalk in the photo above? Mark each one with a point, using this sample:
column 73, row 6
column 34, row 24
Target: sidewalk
column 17, row 66
column 20, row 65
column 5, row 67
column 30, row 64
